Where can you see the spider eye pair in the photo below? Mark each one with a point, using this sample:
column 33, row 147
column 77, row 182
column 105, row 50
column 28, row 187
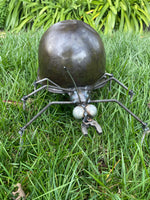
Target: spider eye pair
column 80, row 111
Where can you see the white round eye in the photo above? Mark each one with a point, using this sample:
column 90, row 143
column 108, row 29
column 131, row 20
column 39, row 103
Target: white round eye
column 91, row 110
column 78, row 112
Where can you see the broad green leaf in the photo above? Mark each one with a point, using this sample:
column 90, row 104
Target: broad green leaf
column 146, row 14
column 62, row 14
column 135, row 22
column 13, row 16
column 43, row 10
column 96, row 15
column 90, row 11
column 110, row 22
column 123, row 6
column 39, row 19
column 32, row 5
column 89, row 20
column 128, row 23
column 103, row 10
column 117, row 4
column 112, row 7
column 34, row 10
column 110, row 3
column 46, row 19
column 147, row 6
column 68, row 16
column 48, row 23
column 97, row 2
column 146, row 21
column 55, row 15
column 57, row 18
column 102, row 24
column 107, row 27
column 23, row 23
column 122, row 20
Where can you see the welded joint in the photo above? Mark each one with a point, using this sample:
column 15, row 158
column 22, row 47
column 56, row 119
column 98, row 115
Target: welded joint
column 21, row 131
column 35, row 85
column 146, row 131
column 131, row 93
column 24, row 99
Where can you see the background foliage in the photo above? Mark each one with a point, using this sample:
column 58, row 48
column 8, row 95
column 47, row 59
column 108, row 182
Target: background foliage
column 125, row 15
column 103, row 15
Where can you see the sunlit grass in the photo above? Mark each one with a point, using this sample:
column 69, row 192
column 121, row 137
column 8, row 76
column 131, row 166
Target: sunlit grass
column 56, row 161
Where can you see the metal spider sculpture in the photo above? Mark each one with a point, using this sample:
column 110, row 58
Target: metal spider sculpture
column 72, row 61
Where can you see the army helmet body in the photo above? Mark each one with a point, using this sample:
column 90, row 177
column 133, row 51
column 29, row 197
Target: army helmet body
column 78, row 47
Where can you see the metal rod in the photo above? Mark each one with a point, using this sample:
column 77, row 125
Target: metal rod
column 57, row 86
column 108, row 74
column 121, row 84
column 120, row 104
column 45, row 108
column 47, row 79
column 146, row 131
column 34, row 92
column 100, row 85
column 110, row 79
column 73, row 82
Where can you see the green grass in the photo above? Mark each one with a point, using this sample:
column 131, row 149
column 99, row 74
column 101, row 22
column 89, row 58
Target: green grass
column 56, row 161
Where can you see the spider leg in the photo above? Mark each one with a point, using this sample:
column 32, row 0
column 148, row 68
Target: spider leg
column 21, row 131
column 131, row 93
column 110, row 79
column 124, row 107
column 45, row 80
column 25, row 97
column 52, row 87
column 144, row 125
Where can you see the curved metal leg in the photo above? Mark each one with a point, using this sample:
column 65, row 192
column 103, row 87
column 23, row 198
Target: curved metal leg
column 45, row 108
column 144, row 125
column 45, row 79
column 52, row 87
column 110, row 79
column 120, row 104
column 25, row 97
column 21, row 131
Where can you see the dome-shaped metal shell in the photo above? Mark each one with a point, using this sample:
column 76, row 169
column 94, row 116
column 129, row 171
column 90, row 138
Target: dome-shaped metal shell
column 75, row 45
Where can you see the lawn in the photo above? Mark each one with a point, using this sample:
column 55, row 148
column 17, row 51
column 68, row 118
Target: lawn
column 56, row 160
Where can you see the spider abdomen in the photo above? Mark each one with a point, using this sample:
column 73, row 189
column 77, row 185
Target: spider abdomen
column 75, row 45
